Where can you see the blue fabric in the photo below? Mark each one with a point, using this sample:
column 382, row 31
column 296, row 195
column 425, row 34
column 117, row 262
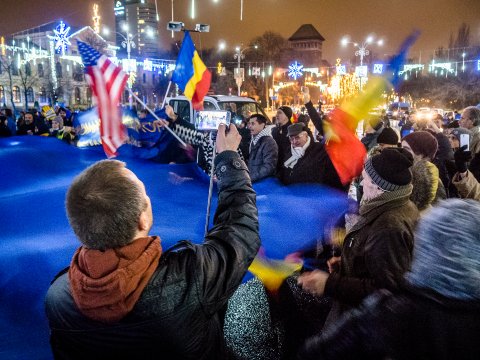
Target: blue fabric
column 36, row 241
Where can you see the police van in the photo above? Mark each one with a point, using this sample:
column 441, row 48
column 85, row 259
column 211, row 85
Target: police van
column 241, row 107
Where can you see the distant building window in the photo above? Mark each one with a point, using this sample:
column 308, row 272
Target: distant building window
column 16, row 94
column 28, row 69
column 78, row 96
column 30, row 97
column 40, row 70
column 42, row 95
column 144, row 78
column 58, row 68
column 89, row 95
column 14, row 68
column 2, row 95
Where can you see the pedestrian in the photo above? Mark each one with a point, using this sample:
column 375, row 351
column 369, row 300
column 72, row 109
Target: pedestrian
column 123, row 297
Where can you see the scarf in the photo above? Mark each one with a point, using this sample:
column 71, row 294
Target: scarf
column 265, row 132
column 105, row 285
column 369, row 208
column 297, row 154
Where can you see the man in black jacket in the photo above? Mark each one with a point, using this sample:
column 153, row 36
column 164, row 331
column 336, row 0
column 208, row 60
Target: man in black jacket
column 436, row 315
column 307, row 161
column 377, row 250
column 122, row 298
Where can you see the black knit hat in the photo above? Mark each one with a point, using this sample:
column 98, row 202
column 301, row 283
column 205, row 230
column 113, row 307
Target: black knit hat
column 287, row 111
column 388, row 136
column 390, row 169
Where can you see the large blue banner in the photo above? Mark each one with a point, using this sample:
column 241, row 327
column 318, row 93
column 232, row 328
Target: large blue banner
column 36, row 241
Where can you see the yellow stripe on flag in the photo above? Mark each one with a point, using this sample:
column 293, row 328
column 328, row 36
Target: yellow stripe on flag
column 198, row 69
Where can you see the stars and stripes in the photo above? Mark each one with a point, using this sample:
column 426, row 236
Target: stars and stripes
column 107, row 82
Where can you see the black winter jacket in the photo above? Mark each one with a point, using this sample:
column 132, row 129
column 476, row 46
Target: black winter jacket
column 180, row 313
column 314, row 167
column 414, row 324
column 279, row 134
column 374, row 256
column 263, row 158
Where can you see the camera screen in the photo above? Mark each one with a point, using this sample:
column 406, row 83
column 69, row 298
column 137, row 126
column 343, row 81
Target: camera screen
column 210, row 120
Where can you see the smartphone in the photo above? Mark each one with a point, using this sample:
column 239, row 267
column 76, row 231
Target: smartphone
column 465, row 140
column 211, row 119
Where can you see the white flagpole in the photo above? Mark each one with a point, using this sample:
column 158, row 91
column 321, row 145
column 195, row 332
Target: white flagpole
column 155, row 116
column 166, row 94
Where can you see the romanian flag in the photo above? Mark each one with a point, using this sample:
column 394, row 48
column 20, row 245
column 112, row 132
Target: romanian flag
column 191, row 74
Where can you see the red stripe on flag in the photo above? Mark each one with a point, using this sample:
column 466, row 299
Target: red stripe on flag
column 201, row 90
column 348, row 153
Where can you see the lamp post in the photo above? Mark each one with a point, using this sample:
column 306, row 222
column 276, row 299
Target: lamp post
column 239, row 56
column 362, row 50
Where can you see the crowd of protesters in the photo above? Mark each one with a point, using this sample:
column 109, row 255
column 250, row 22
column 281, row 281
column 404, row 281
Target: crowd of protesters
column 400, row 282
column 51, row 122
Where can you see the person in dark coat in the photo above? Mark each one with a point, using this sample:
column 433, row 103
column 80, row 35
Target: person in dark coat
column 279, row 133
column 377, row 250
column 123, row 297
column 263, row 150
column 307, row 161
column 436, row 315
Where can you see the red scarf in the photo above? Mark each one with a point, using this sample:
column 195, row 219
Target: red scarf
column 106, row 285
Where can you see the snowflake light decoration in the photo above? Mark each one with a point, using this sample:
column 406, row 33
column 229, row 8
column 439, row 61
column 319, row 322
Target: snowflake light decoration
column 61, row 37
column 295, row 70
column 377, row 68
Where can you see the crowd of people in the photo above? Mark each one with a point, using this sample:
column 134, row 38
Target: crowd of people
column 400, row 282
column 56, row 123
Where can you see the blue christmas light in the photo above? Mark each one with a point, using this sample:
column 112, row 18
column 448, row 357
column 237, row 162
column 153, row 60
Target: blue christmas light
column 61, row 37
column 295, row 70
column 478, row 65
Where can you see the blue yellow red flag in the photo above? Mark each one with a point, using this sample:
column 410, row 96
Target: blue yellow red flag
column 191, row 74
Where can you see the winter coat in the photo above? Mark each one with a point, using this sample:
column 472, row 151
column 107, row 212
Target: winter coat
column 468, row 187
column 314, row 167
column 375, row 255
column 263, row 158
column 180, row 312
column 426, row 183
column 475, row 141
column 415, row 324
column 279, row 134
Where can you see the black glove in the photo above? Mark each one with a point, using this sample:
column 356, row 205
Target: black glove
column 462, row 158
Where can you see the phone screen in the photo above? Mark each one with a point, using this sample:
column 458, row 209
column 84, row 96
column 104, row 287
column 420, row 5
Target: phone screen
column 465, row 140
column 210, row 120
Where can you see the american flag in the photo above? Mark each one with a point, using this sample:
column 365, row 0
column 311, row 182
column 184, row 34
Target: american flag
column 107, row 82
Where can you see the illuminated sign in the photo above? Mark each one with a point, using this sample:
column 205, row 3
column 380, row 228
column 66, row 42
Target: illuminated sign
column 377, row 68
column 341, row 69
column 119, row 9
column 361, row 71
column 129, row 65
column 478, row 65
column 410, row 67
column 147, row 65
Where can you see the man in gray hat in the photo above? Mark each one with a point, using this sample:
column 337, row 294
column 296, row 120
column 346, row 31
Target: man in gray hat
column 307, row 161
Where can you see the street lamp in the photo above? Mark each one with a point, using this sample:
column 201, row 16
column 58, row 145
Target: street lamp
column 463, row 61
column 239, row 56
column 362, row 50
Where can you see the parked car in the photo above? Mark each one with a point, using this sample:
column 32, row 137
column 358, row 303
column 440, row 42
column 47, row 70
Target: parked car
column 240, row 106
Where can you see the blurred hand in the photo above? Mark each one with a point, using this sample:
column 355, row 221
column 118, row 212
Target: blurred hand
column 160, row 123
column 306, row 94
column 228, row 140
column 334, row 264
column 313, row 282
column 462, row 157
column 170, row 113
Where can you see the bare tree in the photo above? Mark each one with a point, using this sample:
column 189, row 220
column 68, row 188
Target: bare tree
column 28, row 79
column 96, row 42
column 8, row 66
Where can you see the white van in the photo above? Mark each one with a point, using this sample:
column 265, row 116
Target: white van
column 240, row 106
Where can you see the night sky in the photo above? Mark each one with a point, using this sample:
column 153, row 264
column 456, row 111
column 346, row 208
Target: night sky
column 391, row 20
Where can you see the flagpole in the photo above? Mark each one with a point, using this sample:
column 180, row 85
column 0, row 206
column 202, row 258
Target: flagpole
column 210, row 187
column 166, row 94
column 156, row 117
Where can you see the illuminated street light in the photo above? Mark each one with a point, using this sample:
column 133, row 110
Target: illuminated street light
column 239, row 56
column 463, row 61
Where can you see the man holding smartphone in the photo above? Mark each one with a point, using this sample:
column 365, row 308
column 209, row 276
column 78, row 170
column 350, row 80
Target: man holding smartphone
column 123, row 297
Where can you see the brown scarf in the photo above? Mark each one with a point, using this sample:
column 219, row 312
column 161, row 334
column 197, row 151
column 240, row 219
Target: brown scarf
column 105, row 285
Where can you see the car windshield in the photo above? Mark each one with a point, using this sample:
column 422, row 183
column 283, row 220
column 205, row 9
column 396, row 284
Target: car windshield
column 240, row 109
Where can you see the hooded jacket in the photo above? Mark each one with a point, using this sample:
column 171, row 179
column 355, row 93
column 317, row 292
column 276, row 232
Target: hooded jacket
column 179, row 314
